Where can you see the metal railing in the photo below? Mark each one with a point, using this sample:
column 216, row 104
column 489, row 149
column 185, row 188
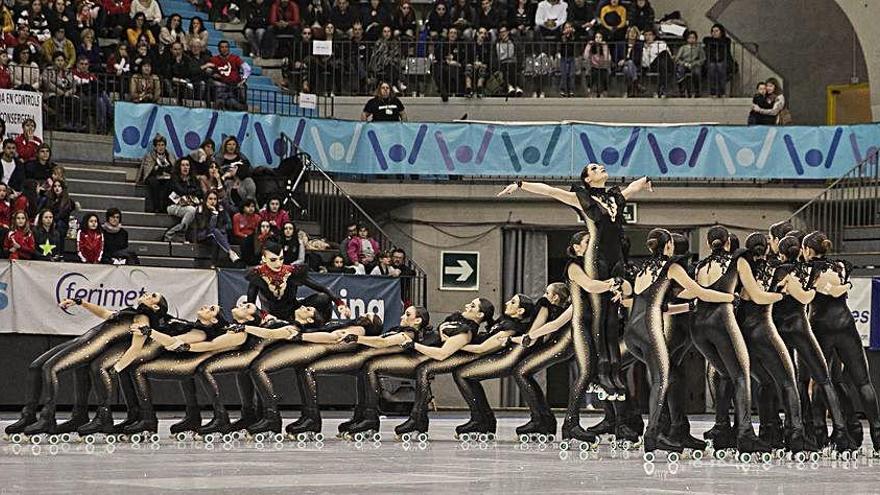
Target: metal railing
column 853, row 200
column 322, row 200
column 535, row 67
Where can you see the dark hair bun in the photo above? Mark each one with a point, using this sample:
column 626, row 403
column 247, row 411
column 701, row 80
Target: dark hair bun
column 827, row 245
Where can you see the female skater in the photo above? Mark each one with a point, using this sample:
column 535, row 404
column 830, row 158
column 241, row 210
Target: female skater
column 644, row 335
column 414, row 322
column 43, row 374
column 602, row 211
column 305, row 347
column 834, row 326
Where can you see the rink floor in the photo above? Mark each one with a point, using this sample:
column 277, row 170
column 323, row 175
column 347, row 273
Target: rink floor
column 443, row 466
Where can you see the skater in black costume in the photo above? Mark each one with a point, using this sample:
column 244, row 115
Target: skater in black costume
column 303, row 349
column 834, row 326
column 644, row 334
column 792, row 322
column 498, row 357
column 456, row 331
column 602, row 211
column 151, row 309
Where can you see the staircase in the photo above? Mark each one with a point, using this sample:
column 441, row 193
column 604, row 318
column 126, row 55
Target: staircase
column 97, row 187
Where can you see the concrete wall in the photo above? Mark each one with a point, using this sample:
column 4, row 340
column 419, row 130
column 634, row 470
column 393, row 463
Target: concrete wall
column 616, row 110
column 864, row 17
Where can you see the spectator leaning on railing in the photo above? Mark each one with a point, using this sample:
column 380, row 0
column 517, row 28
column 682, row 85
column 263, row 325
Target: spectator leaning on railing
column 383, row 107
column 59, row 43
column 25, row 71
column 384, row 267
column 689, row 62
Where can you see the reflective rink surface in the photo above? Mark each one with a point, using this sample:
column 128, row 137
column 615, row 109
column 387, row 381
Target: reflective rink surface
column 443, row 465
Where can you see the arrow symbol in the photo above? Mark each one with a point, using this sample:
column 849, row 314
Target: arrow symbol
column 464, row 270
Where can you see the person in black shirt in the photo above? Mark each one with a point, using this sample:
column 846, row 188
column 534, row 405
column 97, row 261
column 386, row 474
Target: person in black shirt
column 449, row 65
column 116, row 240
column 49, row 242
column 479, row 61
column 383, row 107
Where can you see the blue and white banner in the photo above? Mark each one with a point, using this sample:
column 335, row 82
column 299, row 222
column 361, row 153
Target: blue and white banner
column 481, row 149
column 362, row 293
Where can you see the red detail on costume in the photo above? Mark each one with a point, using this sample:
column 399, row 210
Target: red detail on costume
column 275, row 278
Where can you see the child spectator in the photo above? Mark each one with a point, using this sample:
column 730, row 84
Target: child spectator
column 90, row 241
column 384, row 267
column 48, row 241
column 27, row 142
column 363, row 248
column 116, row 250
column 20, row 242
column 758, row 100
column 274, row 214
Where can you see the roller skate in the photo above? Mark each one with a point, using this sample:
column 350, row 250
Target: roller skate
column 539, row 430
column 722, row 441
column 144, row 431
column 365, row 429
column 718, row 430
column 802, row 448
column 625, row 438
column 307, row 430
column 749, row 447
column 772, row 434
column 267, row 429
column 238, row 428
column 655, row 443
column 42, row 429
column 100, row 425
column 214, row 430
column 604, row 427
column 875, row 443
column 573, row 435
column 67, row 429
column 415, row 428
column 15, row 431
column 841, row 445
column 357, row 416
column 478, row 429
column 132, row 416
column 182, row 430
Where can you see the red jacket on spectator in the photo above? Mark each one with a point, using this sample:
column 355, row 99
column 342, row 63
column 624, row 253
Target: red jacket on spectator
column 291, row 14
column 279, row 218
column 90, row 246
column 25, row 239
column 5, row 78
column 27, row 150
column 117, row 6
column 228, row 69
column 5, row 214
column 354, row 248
column 245, row 225
column 20, row 203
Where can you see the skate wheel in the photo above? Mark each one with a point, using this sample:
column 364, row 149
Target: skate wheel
column 423, row 445
column 53, row 439
column 584, row 446
column 465, row 437
column 564, row 445
column 672, row 457
column 111, row 439
column 135, row 439
column 180, row 437
column 779, row 453
column 542, row 438
column 302, row 437
column 602, row 395
column 550, row 438
column 614, row 445
column 259, row 437
column 845, row 455
column 815, row 456
column 17, row 438
column 483, row 438
column 319, row 437
column 66, row 437
column 36, row 440
column 766, row 457
column 211, row 438
column 745, row 457
column 89, row 439
column 377, row 437
column 800, row 457
column 360, row 436
column 278, row 437
column 523, row 438
column 648, row 457
column 720, row 454
column 237, row 435
column 229, row 437
column 154, row 438
column 423, row 437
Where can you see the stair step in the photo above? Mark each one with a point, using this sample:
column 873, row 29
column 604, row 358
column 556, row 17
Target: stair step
column 102, row 202
column 111, row 188
column 862, row 259
column 150, row 248
column 138, row 218
column 143, row 233
column 94, row 174
column 860, row 233
column 168, row 261
column 861, row 246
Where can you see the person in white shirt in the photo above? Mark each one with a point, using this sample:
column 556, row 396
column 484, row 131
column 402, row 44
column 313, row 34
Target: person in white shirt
column 550, row 17
column 656, row 58
column 385, row 267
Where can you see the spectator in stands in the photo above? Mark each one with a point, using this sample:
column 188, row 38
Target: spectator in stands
column 506, row 61
column 582, row 15
column 464, row 18
column 759, row 99
column 152, row 14
column 689, row 63
column 90, row 240
column 598, row 55
column 293, row 246
column 439, row 21
column 284, row 20
column 478, row 64
column 199, row 54
column 244, row 224
column 404, row 22
column 59, row 92
column 143, row 52
column 343, row 16
column 145, row 87
column 356, row 59
column 775, row 100
column 489, row 19
column 351, row 231
column 181, row 75
column 19, row 241
column 301, row 70
column 229, row 73
column 13, row 172
column 656, row 58
column 385, row 61
column 139, row 27
column 27, row 142
column 213, row 181
column 59, row 43
column 6, row 19
column 449, row 65
column 116, row 250
column 550, row 16
column 155, row 173
column 202, row 157
column 398, row 260
column 317, row 13
column 717, row 57
column 186, row 194
column 630, row 59
column 5, row 73
column 273, row 213
column 641, row 15
column 384, row 267
column 172, row 32
column 25, row 71
column 211, row 225
column 264, row 234
column 612, row 17
column 28, row 198
column 62, row 14
column 58, row 200
column 89, row 48
column 197, row 31
column 568, row 51
column 337, row 265
column 374, row 17
column 48, row 241
column 119, row 68
column 521, row 20
column 363, row 248
column 384, row 107
column 5, row 210
column 36, row 20
column 257, row 16
column 40, row 168
column 117, row 16
column 237, row 171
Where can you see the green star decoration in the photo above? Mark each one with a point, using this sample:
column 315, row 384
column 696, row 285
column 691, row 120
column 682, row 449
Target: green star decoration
column 47, row 248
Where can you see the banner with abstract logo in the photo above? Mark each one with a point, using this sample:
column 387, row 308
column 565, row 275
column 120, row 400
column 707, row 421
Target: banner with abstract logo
column 37, row 287
column 481, row 149
column 362, row 293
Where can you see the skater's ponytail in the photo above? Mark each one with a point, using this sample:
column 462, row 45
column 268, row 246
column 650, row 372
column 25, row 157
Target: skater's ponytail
column 790, row 248
column 717, row 238
column 756, row 244
column 818, row 242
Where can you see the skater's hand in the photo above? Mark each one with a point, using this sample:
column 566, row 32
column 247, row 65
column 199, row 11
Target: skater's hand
column 508, row 190
column 66, row 303
column 517, row 340
column 503, row 339
column 344, row 311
